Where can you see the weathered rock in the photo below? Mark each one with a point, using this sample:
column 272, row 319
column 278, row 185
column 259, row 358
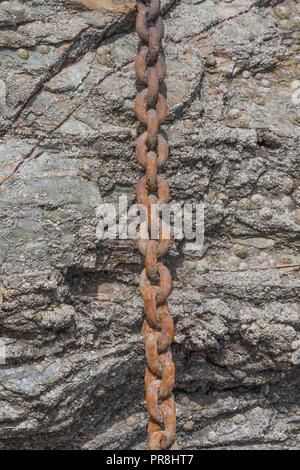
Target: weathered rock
column 70, row 310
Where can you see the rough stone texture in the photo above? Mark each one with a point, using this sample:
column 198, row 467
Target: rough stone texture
column 70, row 311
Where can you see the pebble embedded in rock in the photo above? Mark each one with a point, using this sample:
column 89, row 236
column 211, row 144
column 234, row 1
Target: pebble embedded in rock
column 184, row 400
column 86, row 169
column 188, row 123
column 189, row 425
column 103, row 50
column 294, row 119
column 243, row 266
column 23, row 54
column 105, row 184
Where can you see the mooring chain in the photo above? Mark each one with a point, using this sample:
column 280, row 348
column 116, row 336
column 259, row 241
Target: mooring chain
column 153, row 191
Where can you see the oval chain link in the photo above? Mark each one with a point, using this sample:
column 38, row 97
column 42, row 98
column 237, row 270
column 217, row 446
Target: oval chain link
column 155, row 283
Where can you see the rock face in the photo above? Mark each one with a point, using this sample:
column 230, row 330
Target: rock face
column 70, row 310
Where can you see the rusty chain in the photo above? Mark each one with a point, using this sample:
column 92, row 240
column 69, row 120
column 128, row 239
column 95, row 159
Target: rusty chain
column 152, row 153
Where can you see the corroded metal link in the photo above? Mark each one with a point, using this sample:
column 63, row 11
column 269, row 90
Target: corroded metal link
column 162, row 246
column 153, row 427
column 152, row 194
column 167, row 328
column 156, row 437
column 141, row 23
column 149, row 377
column 141, row 66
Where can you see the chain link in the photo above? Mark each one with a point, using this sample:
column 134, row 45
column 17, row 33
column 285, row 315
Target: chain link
column 152, row 153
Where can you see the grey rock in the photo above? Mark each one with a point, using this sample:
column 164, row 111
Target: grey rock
column 70, row 311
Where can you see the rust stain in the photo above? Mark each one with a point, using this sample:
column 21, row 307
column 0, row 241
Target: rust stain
column 114, row 6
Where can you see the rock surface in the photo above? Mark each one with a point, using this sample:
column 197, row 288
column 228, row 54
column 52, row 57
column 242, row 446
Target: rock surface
column 70, row 310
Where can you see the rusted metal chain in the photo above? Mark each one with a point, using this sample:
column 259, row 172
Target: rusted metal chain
column 153, row 190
